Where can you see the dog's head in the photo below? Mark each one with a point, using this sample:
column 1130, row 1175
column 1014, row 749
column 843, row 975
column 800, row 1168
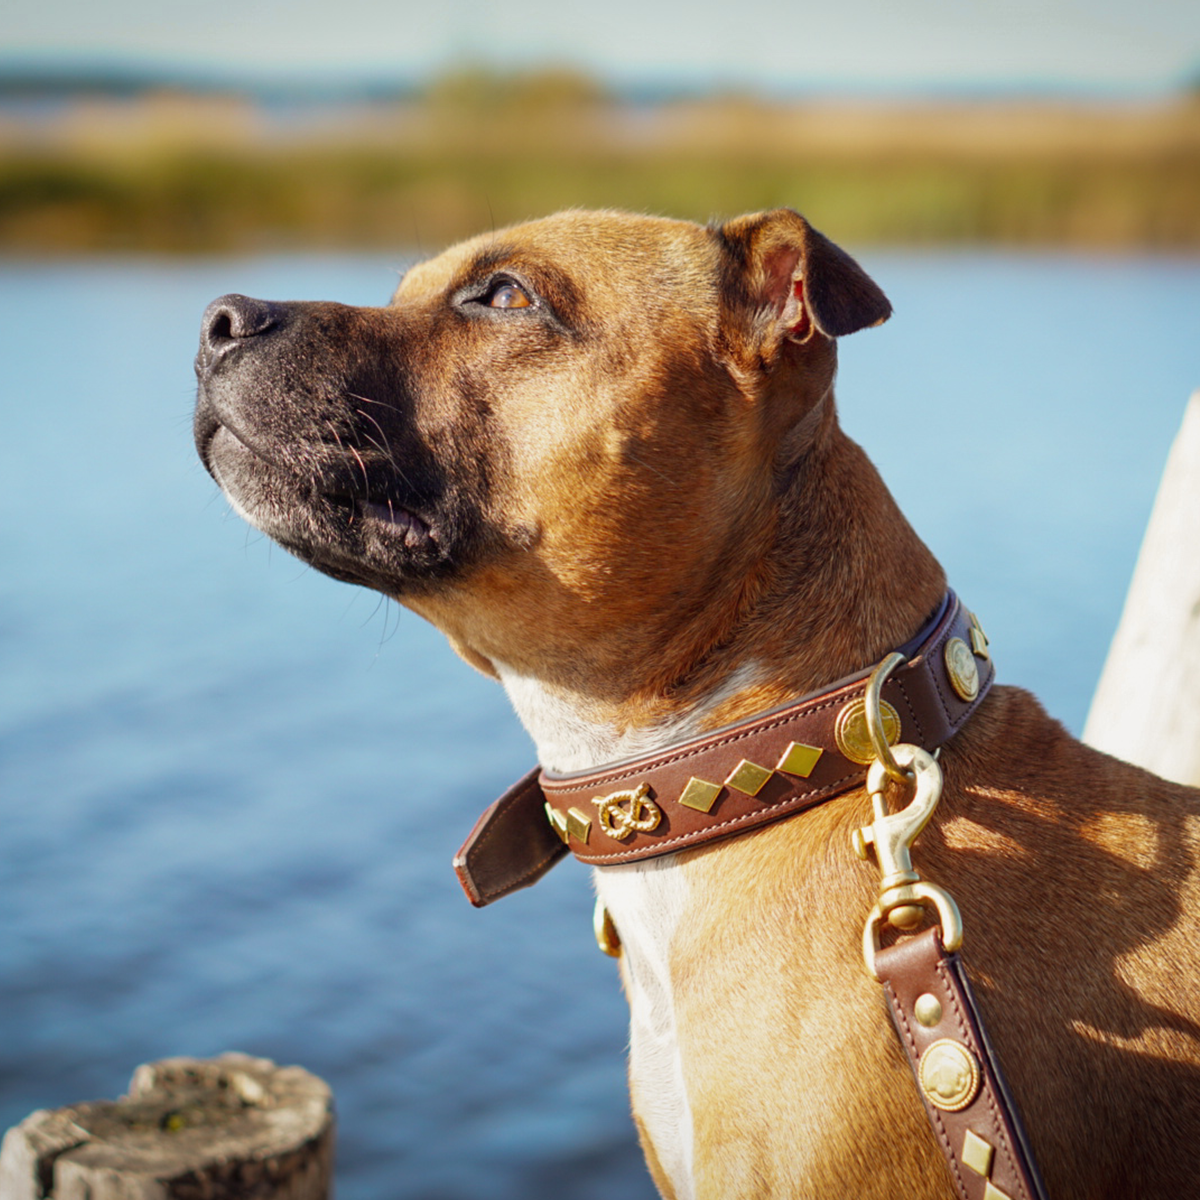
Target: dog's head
column 539, row 421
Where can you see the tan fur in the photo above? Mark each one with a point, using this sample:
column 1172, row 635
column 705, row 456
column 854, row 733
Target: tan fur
column 1084, row 957
column 675, row 500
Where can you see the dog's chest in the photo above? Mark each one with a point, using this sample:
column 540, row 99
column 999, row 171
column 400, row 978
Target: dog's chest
column 647, row 902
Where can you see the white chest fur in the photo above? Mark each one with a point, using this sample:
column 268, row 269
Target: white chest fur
column 647, row 902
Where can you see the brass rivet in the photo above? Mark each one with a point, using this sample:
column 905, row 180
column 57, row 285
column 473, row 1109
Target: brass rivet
column 961, row 667
column 578, row 824
column 700, row 794
column 748, row 777
column 850, row 731
column 557, row 821
column 949, row 1075
column 977, row 1154
column 620, row 822
column 607, row 937
column 800, row 759
column 928, row 1010
column 992, row 1192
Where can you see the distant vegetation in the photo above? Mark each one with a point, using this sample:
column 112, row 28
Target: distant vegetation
column 96, row 169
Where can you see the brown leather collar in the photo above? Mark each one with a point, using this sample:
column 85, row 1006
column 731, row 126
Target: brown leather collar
column 732, row 780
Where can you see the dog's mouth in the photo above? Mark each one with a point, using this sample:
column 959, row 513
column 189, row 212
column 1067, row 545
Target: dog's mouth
column 340, row 512
column 305, row 420
column 413, row 530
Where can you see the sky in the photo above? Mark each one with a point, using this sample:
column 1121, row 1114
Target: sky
column 1100, row 46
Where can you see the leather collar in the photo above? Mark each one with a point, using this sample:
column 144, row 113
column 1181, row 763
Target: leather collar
column 734, row 779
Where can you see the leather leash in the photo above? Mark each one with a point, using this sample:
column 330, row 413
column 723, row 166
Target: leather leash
column 966, row 1099
column 780, row 763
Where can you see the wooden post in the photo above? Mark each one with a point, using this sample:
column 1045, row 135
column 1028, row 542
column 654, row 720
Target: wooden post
column 1147, row 705
column 233, row 1127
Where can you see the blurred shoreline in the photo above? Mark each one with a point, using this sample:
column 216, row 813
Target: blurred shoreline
column 207, row 171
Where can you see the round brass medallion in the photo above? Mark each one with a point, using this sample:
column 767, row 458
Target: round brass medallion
column 961, row 667
column 949, row 1075
column 850, row 731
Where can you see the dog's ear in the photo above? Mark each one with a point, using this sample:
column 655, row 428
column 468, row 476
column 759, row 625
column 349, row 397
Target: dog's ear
column 784, row 281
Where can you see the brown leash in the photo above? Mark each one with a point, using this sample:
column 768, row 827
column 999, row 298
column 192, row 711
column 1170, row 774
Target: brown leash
column 965, row 1097
column 932, row 1006
column 779, row 763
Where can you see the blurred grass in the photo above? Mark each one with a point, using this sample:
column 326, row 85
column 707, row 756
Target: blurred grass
column 191, row 173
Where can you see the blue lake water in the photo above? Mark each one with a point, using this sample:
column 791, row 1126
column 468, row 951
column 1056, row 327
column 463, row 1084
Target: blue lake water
column 230, row 788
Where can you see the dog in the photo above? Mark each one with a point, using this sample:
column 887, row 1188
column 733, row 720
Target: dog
column 601, row 453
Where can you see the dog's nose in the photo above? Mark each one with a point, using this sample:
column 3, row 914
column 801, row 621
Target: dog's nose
column 230, row 321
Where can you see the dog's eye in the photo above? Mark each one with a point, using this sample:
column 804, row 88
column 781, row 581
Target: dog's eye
column 509, row 295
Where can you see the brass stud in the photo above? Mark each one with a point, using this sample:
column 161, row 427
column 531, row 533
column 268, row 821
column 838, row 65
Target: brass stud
column 700, row 794
column 850, row 731
column 800, row 759
column 949, row 1075
column 928, row 1010
column 992, row 1192
column 961, row 668
column 748, row 777
column 979, row 639
column 557, row 821
column 977, row 1154
column 578, row 824
column 607, row 937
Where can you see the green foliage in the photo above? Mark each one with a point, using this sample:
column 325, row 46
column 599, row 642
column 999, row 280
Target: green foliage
column 482, row 149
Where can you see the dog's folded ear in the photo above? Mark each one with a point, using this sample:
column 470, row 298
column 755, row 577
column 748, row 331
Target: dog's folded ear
column 782, row 280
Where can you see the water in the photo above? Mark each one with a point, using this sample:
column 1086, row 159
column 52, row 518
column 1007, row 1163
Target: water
column 230, row 788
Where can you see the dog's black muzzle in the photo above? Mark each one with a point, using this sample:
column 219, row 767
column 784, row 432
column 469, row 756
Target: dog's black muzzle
column 304, row 416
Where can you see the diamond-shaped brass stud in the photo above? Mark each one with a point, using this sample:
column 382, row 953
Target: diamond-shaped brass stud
column 992, row 1192
column 800, row 759
column 578, row 824
column 977, row 1154
column 748, row 777
column 979, row 641
column 557, row 821
column 700, row 794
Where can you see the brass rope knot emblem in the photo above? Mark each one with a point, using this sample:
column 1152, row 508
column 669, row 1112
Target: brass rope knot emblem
column 641, row 816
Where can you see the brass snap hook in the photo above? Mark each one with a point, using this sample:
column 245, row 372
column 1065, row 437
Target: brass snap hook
column 903, row 896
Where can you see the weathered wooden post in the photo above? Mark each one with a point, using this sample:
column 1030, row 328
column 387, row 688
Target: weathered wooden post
column 1147, row 705
column 233, row 1127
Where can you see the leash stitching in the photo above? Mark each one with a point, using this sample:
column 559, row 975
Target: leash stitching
column 934, row 1115
column 1000, row 1129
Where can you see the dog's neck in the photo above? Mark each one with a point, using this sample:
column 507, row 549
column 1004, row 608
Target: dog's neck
column 570, row 738
column 843, row 580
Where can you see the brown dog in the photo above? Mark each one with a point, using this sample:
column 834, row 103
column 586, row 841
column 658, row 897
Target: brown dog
column 600, row 452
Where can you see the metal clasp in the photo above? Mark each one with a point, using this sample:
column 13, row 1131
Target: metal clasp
column 903, row 895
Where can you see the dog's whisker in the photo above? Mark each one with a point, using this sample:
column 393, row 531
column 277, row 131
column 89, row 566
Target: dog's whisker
column 363, row 467
column 368, row 400
column 385, row 448
column 641, row 462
